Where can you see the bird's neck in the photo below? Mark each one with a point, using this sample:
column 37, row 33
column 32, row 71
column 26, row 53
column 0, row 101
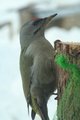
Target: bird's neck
column 26, row 41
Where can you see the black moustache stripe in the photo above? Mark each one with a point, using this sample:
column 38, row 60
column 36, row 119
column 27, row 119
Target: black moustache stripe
column 36, row 31
column 37, row 21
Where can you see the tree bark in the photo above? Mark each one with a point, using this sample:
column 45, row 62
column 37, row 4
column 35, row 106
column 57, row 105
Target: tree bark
column 68, row 98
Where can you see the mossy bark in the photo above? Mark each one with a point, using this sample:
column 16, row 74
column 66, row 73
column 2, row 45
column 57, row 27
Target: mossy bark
column 68, row 64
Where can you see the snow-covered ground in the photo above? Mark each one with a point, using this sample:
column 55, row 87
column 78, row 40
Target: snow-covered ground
column 12, row 102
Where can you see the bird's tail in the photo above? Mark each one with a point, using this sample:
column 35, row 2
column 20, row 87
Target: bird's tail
column 44, row 113
column 40, row 109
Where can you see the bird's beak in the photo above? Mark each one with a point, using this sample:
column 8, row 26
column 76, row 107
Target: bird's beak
column 47, row 20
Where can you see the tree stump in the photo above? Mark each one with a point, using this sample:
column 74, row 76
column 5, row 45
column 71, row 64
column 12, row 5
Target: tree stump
column 69, row 81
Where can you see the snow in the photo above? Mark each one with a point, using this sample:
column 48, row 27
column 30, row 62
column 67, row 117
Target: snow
column 14, row 4
column 71, row 35
column 12, row 101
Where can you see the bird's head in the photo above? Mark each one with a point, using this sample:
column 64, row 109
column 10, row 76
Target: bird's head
column 35, row 28
column 40, row 24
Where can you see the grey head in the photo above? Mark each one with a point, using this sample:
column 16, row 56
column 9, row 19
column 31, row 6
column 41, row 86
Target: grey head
column 34, row 29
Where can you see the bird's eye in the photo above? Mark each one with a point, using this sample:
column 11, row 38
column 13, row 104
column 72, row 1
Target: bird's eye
column 37, row 22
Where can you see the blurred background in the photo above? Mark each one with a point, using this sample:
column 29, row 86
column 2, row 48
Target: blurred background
column 13, row 14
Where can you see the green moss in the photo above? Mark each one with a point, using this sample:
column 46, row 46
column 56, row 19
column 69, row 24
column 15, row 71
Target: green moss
column 69, row 105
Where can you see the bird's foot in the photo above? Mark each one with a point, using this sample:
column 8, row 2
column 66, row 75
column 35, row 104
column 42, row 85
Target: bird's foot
column 56, row 98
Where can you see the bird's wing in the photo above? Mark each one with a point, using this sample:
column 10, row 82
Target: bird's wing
column 43, row 70
column 25, row 68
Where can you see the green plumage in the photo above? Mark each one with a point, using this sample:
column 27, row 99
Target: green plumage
column 37, row 66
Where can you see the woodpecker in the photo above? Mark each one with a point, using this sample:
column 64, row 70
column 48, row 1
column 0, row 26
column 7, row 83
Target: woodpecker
column 37, row 66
